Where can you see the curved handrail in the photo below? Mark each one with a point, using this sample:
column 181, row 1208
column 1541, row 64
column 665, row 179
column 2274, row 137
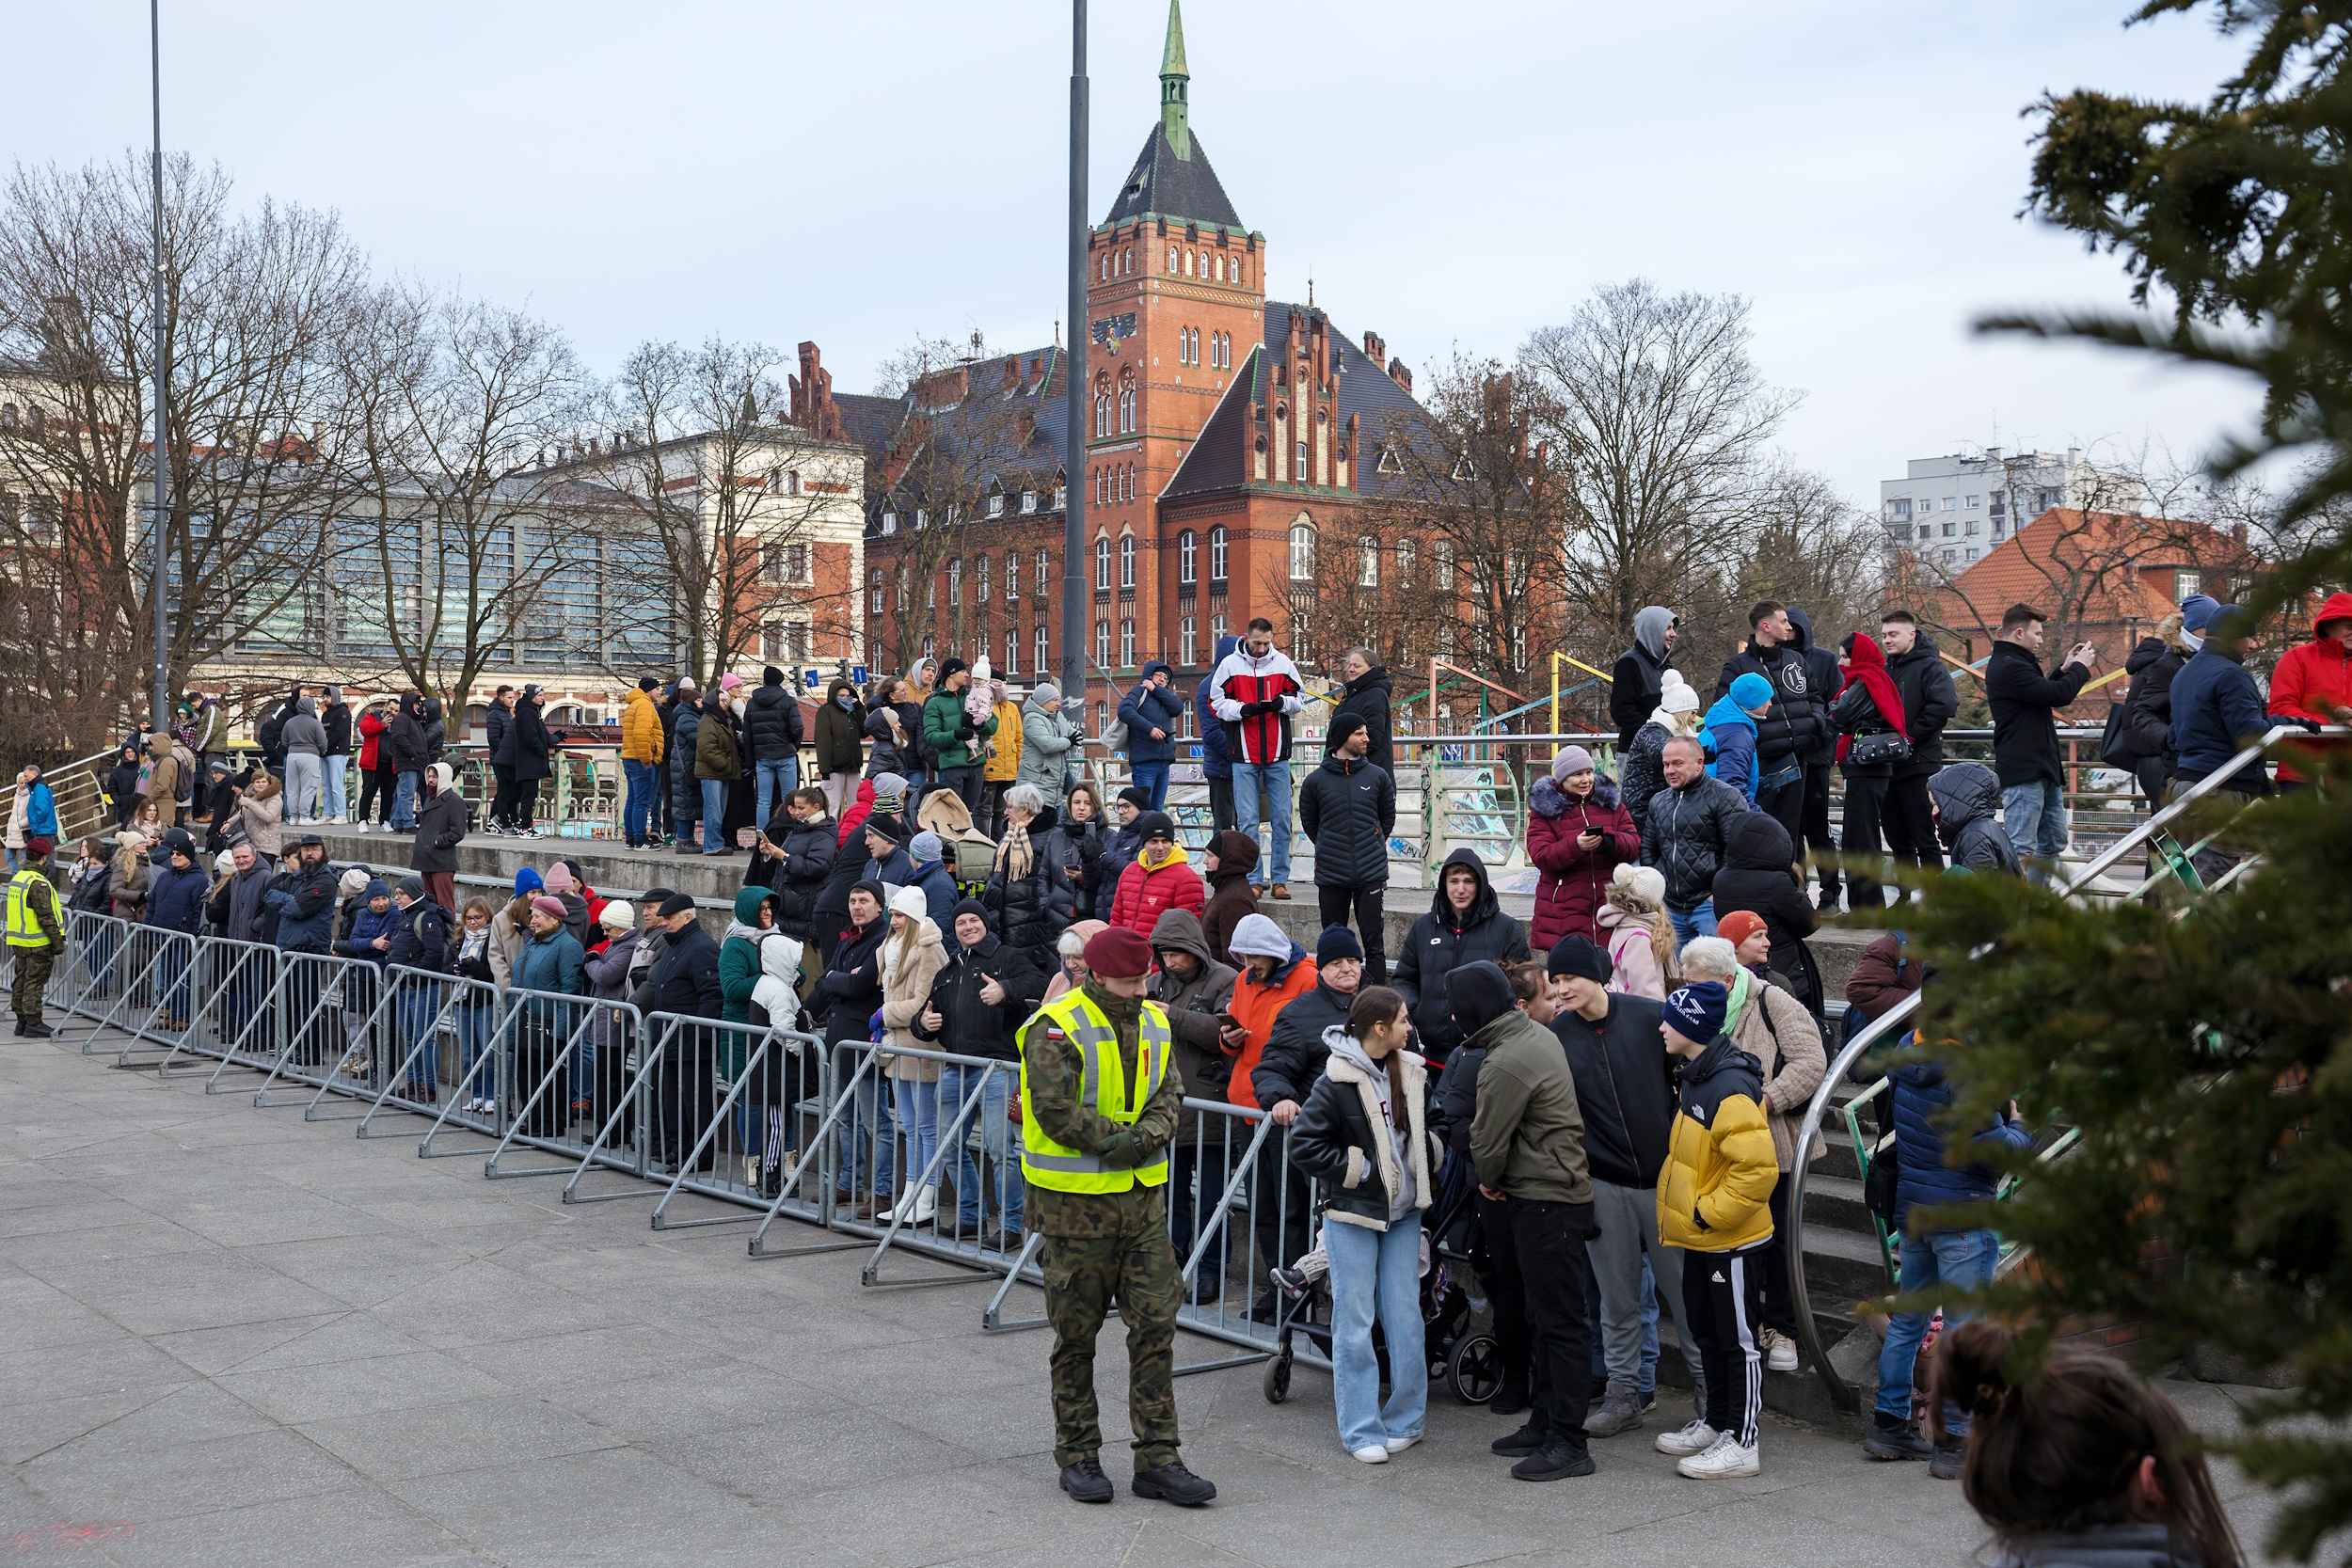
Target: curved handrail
column 1808, row 1333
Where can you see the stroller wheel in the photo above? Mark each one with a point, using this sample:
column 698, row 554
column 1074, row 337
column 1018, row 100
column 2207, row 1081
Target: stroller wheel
column 1278, row 1380
column 1474, row 1370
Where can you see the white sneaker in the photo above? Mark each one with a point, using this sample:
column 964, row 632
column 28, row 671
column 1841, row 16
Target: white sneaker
column 1780, row 1351
column 1398, row 1445
column 1697, row 1437
column 363, row 827
column 1374, row 1453
column 1723, row 1459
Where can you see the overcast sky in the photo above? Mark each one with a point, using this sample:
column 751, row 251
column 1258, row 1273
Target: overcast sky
column 1455, row 175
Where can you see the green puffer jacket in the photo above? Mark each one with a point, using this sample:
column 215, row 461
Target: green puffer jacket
column 943, row 720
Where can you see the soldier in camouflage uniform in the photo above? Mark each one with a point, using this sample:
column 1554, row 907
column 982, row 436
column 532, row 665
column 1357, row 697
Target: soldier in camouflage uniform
column 1099, row 1098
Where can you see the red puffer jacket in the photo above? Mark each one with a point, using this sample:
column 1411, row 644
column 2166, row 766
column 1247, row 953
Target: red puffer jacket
column 1576, row 879
column 1143, row 895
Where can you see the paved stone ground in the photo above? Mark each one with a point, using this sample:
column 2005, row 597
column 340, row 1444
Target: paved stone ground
column 235, row 1338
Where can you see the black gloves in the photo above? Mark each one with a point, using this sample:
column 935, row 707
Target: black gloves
column 966, row 730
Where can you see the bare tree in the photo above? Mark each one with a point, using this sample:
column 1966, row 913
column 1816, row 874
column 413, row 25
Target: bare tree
column 1655, row 418
column 252, row 304
column 1812, row 549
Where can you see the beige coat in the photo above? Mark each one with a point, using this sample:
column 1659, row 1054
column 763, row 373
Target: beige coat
column 263, row 810
column 906, row 991
column 1790, row 1048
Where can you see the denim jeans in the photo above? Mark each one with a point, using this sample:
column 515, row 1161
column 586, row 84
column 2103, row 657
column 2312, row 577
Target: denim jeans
column 1959, row 1261
column 999, row 1136
column 1274, row 779
column 1154, row 777
column 405, row 802
column 1377, row 1272
column 475, row 1023
column 640, row 776
column 778, row 777
column 868, row 1135
column 419, row 1007
column 714, row 815
column 2035, row 817
column 918, row 1118
column 332, row 775
column 1699, row 922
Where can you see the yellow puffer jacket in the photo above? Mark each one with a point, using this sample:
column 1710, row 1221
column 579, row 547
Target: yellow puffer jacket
column 641, row 727
column 1719, row 1168
column 1004, row 757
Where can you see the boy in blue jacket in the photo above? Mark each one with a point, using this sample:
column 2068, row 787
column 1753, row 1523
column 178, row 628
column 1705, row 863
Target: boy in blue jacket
column 1729, row 734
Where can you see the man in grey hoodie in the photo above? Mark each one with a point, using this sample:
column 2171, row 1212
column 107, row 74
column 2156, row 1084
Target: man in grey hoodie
column 305, row 739
column 1641, row 672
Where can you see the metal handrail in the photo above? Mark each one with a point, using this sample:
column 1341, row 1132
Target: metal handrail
column 1808, row 1333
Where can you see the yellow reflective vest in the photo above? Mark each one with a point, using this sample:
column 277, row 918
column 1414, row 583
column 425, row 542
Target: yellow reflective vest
column 1102, row 1082
column 24, row 928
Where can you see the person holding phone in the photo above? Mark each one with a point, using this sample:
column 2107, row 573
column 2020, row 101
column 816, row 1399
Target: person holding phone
column 1578, row 831
column 2025, row 704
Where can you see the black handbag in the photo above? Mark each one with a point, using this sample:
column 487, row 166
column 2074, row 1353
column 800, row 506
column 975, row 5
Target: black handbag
column 1871, row 751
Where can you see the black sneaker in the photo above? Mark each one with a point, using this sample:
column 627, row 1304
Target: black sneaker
column 771, row 1182
column 1554, row 1460
column 1528, row 1439
column 37, row 1031
column 1949, row 1453
column 1263, row 1309
column 1172, row 1483
column 1892, row 1437
column 1086, row 1482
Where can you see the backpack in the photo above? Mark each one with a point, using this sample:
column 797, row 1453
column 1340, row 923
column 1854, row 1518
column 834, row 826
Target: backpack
column 185, row 788
column 2115, row 742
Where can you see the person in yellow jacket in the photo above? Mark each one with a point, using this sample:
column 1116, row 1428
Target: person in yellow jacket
column 1713, row 1197
column 640, row 761
column 1099, row 1098
column 1003, row 767
column 36, row 934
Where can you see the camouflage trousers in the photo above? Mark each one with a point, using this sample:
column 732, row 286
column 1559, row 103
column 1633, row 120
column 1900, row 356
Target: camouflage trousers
column 33, row 965
column 1084, row 1275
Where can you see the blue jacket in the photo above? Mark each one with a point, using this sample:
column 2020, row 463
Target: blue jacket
column 938, row 891
column 1731, row 736
column 1921, row 1100
column 303, row 905
column 40, row 812
column 2217, row 709
column 894, row 870
column 175, row 898
column 1215, row 761
column 358, row 939
column 550, row 964
column 1149, row 708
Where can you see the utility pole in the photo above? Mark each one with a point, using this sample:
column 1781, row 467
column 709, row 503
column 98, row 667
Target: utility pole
column 159, row 507
column 1074, row 554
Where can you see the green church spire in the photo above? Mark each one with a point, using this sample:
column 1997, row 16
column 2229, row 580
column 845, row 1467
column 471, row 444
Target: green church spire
column 1174, row 80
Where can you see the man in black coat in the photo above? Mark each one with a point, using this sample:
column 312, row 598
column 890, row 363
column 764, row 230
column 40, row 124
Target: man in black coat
column 1347, row 808
column 686, row 982
column 1794, row 726
column 1640, row 676
column 496, row 726
column 1929, row 702
column 772, row 725
column 1758, row 875
column 529, row 750
column 1295, row 1051
column 1822, row 679
column 1687, row 832
column 1464, row 924
column 2025, row 732
column 979, row 999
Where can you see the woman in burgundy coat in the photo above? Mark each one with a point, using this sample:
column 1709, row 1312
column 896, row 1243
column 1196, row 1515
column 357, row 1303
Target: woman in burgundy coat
column 1578, row 832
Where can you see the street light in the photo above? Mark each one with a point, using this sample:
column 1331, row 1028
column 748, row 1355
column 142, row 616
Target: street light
column 158, row 504
column 1073, row 602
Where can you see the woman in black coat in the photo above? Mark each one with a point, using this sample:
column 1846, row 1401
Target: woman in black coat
column 1760, row 874
column 1367, row 691
column 1029, row 900
column 894, row 742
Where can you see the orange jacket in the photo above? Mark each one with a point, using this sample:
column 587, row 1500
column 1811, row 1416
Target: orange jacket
column 2313, row 679
column 1254, row 1007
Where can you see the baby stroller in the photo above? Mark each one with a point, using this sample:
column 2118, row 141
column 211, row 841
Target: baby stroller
column 1465, row 1361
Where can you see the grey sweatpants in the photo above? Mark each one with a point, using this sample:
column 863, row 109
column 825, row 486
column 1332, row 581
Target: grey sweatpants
column 1628, row 1217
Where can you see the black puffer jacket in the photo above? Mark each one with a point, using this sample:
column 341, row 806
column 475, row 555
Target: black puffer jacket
column 1755, row 876
column 772, row 719
column 1625, row 1085
column 1347, row 808
column 1797, row 724
column 1070, row 846
column 888, row 756
column 1295, row 1051
column 1643, row 772
column 1687, row 834
column 1821, row 678
column 1367, row 699
column 1437, row 947
column 968, row 1025
column 1929, row 702
column 2148, row 702
column 1032, row 912
column 798, row 881
column 1967, row 797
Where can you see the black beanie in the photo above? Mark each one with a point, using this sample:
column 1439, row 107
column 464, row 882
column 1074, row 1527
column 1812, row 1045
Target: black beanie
column 1137, row 797
column 1480, row 994
column 1156, row 824
column 1343, row 725
column 771, row 677
column 964, row 907
column 1579, row 956
column 1337, row 943
column 648, row 682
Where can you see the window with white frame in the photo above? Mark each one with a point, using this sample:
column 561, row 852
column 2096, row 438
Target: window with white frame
column 902, row 589
column 1102, row 565
column 1302, row 475
column 979, row 579
column 1127, row 562
column 1216, row 633
column 1038, row 641
column 1028, row 501
column 1103, row 643
column 875, row 582
column 1188, row 643
column 1187, row 559
column 1405, row 564
column 1041, row 557
column 1013, row 651
column 1302, row 552
column 955, row 582
column 1444, row 550
column 995, row 506
column 1126, row 645
column 890, row 522
column 1217, row 553
column 1368, row 562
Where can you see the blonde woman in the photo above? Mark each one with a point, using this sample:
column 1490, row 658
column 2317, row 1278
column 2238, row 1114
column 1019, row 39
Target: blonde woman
column 912, row 956
column 1634, row 929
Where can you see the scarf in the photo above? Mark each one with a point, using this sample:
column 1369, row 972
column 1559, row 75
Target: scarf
column 1744, row 985
column 1015, row 856
column 1867, row 669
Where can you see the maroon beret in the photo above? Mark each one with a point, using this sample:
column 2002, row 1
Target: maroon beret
column 1119, row 953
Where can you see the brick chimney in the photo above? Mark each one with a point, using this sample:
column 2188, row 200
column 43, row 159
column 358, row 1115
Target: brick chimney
column 1375, row 350
column 813, row 408
column 1401, row 373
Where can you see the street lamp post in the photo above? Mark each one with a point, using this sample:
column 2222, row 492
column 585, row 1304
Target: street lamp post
column 1073, row 602
column 160, row 476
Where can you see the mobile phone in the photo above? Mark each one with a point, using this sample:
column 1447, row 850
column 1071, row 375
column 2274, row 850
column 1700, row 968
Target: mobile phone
column 1226, row 1021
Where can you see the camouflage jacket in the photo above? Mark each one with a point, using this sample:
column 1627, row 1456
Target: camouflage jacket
column 1051, row 1066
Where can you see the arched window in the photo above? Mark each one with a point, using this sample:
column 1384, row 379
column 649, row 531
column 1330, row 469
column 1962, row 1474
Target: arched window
column 1220, row 269
column 1302, row 550
column 1405, row 564
column 1216, row 633
column 1217, row 553
column 1127, row 562
column 1127, row 404
column 1131, row 481
column 1187, row 561
column 1103, row 643
column 1302, row 475
column 1367, row 570
column 1129, row 265
column 1103, row 564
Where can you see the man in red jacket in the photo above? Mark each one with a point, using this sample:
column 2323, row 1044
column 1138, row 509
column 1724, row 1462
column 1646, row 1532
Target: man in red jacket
column 1255, row 691
column 2314, row 679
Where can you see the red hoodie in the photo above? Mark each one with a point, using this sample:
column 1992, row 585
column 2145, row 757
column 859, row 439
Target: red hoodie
column 2314, row 679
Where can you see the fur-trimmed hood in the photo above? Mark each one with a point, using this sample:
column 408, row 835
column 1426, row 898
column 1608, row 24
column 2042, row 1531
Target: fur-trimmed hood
column 1547, row 800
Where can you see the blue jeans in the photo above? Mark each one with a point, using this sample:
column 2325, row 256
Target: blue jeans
column 1697, row 923
column 639, row 778
column 918, row 1118
column 714, row 815
column 999, row 1137
column 405, row 802
column 1274, row 779
column 1377, row 1272
column 867, row 1136
column 1959, row 1260
column 475, row 1022
column 778, row 777
column 420, row 1009
column 1154, row 777
column 334, row 772
column 2035, row 817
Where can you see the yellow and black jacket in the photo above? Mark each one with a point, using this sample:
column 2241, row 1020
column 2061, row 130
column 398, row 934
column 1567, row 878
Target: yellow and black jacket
column 1720, row 1168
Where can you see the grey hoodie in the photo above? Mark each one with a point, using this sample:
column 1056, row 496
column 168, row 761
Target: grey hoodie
column 1650, row 625
column 1343, row 1045
column 303, row 732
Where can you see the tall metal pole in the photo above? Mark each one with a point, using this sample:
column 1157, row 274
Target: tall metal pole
column 159, row 498
column 1074, row 554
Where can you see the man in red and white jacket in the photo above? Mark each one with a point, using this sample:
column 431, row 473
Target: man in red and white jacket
column 1255, row 691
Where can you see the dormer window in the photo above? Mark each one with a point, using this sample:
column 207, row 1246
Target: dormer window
column 890, row 522
column 995, row 506
column 1028, row 501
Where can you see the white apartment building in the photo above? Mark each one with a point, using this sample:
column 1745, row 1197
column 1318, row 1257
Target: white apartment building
column 1955, row 509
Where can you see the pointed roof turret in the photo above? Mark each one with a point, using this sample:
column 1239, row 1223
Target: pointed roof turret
column 1174, row 82
column 1171, row 177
